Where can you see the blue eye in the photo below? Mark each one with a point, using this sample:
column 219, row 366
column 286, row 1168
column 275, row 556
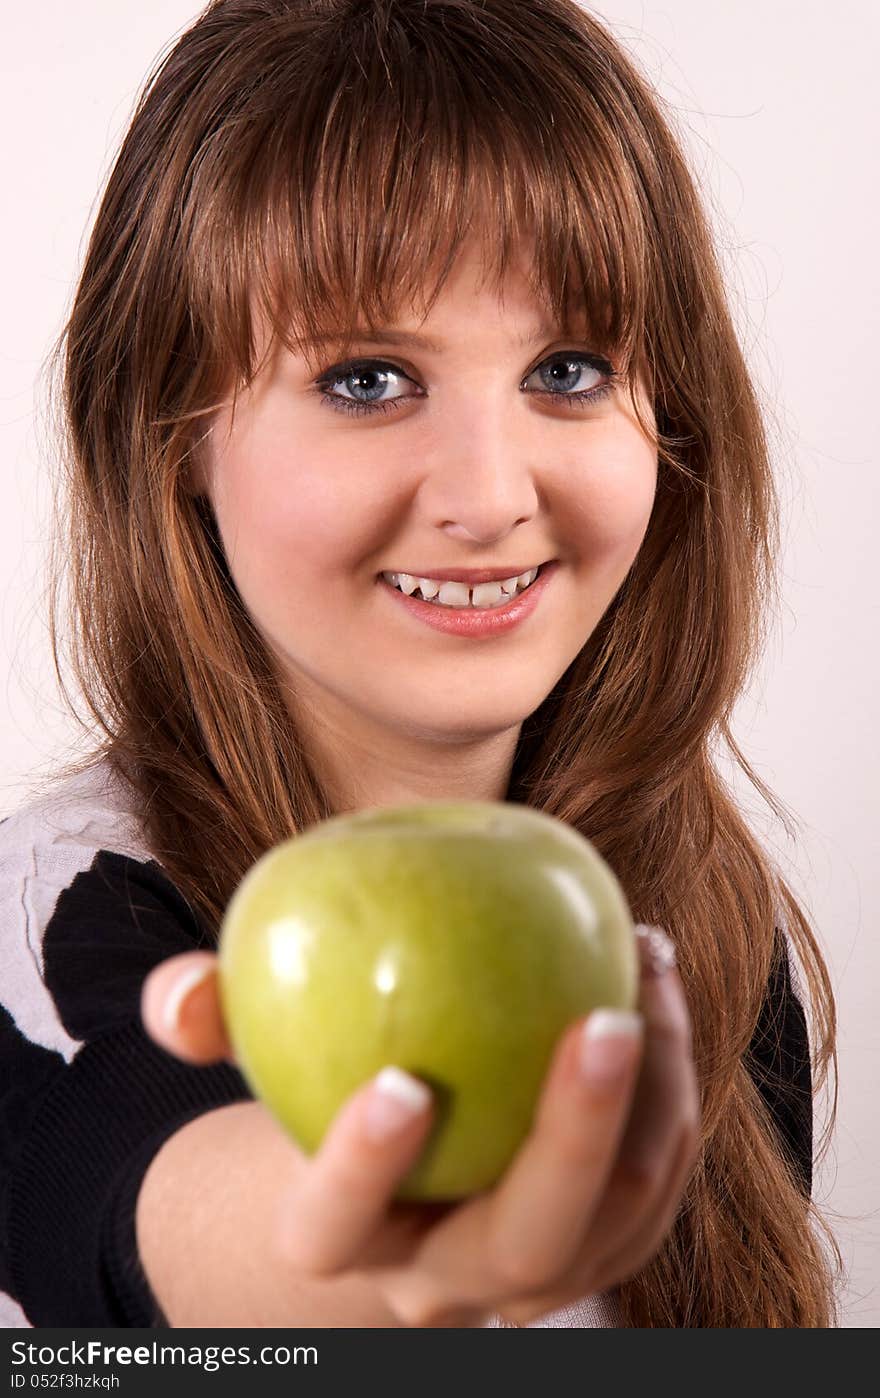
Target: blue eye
column 372, row 376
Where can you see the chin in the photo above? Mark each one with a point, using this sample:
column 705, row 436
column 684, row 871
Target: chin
column 462, row 726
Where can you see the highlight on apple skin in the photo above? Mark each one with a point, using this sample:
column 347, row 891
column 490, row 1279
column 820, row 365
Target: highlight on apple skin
column 456, row 940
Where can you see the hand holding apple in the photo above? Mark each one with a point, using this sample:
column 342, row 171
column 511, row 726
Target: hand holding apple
column 588, row 1199
column 433, row 921
column 454, row 940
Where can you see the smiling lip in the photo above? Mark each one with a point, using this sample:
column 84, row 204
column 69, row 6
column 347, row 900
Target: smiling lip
column 469, row 575
column 476, row 621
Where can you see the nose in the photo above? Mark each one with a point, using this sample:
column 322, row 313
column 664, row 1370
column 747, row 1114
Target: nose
column 481, row 483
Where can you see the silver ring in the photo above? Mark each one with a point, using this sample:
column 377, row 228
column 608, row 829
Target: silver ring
column 657, row 950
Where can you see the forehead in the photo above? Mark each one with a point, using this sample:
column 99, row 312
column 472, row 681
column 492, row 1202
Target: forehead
column 434, row 320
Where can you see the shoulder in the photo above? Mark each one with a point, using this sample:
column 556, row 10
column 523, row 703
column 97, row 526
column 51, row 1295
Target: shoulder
column 46, row 842
column 86, row 1097
column 85, row 911
column 59, row 830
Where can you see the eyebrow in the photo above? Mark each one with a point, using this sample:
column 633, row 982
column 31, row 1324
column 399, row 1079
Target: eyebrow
column 414, row 340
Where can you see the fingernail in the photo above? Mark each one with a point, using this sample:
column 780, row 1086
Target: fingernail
column 185, row 983
column 605, row 1042
column 395, row 1098
column 656, row 949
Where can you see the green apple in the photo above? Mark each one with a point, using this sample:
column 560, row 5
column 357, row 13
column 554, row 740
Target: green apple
column 456, row 940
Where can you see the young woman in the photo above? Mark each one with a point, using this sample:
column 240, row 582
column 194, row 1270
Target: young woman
column 391, row 310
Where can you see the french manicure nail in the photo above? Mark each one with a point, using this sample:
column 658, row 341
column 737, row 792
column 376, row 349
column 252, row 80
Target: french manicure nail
column 185, row 983
column 605, row 1041
column 395, row 1098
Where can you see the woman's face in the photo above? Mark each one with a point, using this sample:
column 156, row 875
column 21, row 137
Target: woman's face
column 469, row 471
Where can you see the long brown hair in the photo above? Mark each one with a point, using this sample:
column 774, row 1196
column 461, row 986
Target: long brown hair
column 320, row 163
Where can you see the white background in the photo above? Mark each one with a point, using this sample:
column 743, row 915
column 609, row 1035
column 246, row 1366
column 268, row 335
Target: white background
column 775, row 101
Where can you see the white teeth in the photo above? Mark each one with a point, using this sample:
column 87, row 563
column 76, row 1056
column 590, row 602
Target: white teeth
column 455, row 594
column 490, row 594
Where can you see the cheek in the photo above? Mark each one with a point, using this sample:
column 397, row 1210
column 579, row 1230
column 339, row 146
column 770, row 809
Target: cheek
column 615, row 496
column 285, row 520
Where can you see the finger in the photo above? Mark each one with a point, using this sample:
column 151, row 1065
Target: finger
column 424, row 1302
column 495, row 1243
column 543, row 1205
column 597, row 1277
column 180, row 1008
column 642, row 1245
column 326, row 1223
column 665, row 1110
column 657, row 1153
column 667, row 1096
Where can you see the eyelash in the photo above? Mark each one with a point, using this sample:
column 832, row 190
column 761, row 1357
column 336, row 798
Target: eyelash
column 583, row 399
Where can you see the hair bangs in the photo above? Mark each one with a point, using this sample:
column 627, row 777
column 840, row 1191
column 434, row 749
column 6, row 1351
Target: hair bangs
column 344, row 208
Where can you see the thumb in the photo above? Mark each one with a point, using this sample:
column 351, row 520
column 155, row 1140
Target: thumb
column 180, row 1008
